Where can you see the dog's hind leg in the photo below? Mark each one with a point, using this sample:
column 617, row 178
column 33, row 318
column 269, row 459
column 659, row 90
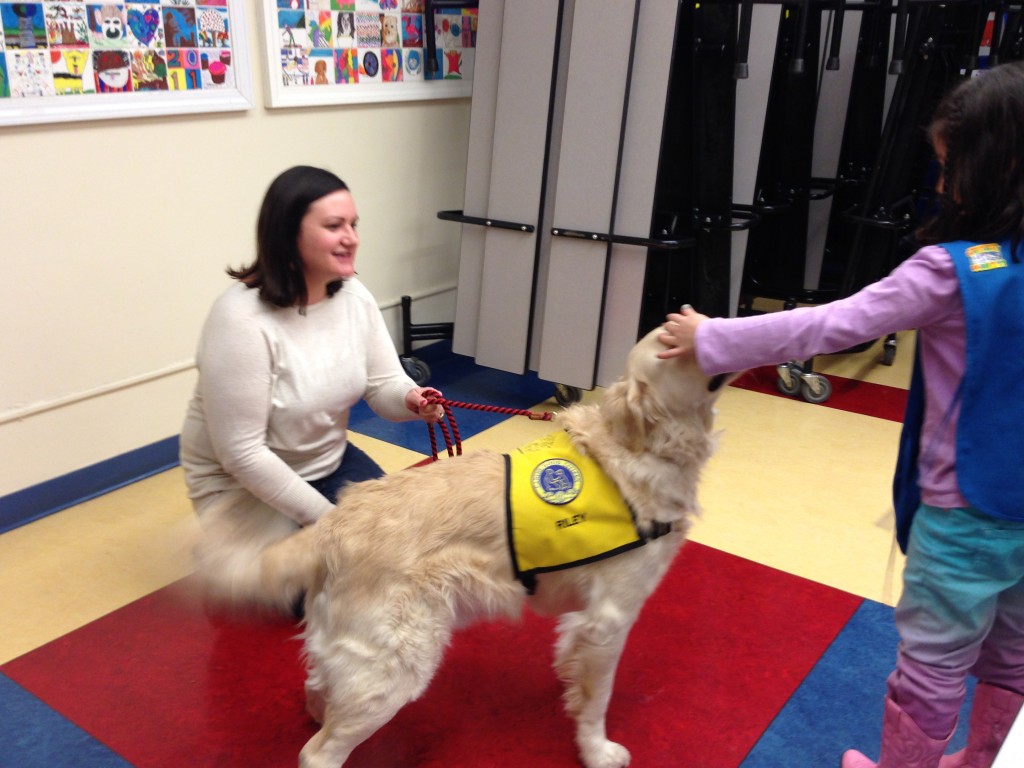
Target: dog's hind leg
column 352, row 716
column 362, row 683
column 331, row 746
column 587, row 654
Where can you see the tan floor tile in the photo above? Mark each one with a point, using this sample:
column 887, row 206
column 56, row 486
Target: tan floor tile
column 804, row 489
column 389, row 456
column 797, row 487
column 868, row 366
column 68, row 569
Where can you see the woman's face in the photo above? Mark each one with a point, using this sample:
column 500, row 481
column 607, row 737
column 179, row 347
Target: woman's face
column 327, row 242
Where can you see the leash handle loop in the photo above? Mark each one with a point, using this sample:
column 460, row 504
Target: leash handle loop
column 450, row 429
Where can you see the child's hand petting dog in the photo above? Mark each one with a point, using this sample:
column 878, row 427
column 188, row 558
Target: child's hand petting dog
column 678, row 332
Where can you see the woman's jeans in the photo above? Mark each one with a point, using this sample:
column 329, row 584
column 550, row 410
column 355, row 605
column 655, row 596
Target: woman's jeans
column 355, row 467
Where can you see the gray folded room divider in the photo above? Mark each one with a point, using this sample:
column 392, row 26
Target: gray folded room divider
column 565, row 125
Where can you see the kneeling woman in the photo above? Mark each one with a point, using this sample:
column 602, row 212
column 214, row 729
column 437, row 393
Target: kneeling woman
column 285, row 353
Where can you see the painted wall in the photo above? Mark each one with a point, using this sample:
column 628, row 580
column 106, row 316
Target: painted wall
column 112, row 256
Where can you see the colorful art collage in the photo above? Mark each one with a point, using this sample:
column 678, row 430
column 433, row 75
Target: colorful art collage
column 334, row 42
column 66, row 47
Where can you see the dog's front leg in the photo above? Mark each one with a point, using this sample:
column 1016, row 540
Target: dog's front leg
column 316, row 701
column 589, row 647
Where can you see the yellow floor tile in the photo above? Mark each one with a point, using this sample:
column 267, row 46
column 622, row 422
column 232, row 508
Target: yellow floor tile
column 867, row 365
column 66, row 570
column 797, row 487
column 805, row 489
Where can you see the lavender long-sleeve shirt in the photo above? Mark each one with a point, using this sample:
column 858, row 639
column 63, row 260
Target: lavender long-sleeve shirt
column 922, row 293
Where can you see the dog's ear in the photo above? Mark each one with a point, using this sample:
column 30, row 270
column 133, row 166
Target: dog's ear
column 626, row 405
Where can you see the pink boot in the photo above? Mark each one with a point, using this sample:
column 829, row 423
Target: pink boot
column 992, row 714
column 904, row 745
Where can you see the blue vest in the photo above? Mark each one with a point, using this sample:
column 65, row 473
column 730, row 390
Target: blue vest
column 990, row 428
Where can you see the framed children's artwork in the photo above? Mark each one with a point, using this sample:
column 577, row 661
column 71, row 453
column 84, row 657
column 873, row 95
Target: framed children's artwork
column 63, row 60
column 349, row 51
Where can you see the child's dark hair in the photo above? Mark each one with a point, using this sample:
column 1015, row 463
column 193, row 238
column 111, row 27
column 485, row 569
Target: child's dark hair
column 980, row 123
column 277, row 270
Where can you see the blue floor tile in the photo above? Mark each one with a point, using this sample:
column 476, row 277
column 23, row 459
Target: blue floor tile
column 839, row 705
column 34, row 736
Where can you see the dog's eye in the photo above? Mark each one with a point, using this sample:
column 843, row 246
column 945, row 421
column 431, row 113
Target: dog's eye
column 716, row 382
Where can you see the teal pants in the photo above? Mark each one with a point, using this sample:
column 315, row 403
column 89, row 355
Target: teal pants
column 961, row 613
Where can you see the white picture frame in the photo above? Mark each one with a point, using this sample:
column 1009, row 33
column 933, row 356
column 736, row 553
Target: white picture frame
column 279, row 55
column 227, row 86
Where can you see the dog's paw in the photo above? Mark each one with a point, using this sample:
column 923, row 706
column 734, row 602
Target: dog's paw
column 606, row 755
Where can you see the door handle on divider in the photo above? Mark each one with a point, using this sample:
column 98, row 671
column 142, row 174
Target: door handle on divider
column 460, row 217
column 645, row 242
column 739, row 218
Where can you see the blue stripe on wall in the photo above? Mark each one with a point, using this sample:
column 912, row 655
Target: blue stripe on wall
column 457, row 376
column 38, row 501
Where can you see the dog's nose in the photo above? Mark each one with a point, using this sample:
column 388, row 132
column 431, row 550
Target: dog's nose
column 716, row 382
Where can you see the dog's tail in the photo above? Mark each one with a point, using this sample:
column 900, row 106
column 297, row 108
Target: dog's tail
column 251, row 556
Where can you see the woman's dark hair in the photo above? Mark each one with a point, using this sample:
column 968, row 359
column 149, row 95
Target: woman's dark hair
column 277, row 270
column 981, row 124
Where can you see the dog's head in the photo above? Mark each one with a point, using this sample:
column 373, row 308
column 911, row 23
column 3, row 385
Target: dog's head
column 660, row 397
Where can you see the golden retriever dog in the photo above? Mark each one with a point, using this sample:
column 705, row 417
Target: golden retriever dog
column 406, row 560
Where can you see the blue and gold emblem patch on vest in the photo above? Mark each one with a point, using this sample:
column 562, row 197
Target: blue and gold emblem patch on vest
column 985, row 257
column 562, row 509
column 557, row 481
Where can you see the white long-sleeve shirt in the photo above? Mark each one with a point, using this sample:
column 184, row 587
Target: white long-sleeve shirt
column 271, row 405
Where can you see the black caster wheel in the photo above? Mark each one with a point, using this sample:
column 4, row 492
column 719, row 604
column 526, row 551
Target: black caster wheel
column 789, row 381
column 816, row 389
column 417, row 370
column 566, row 395
column 889, row 353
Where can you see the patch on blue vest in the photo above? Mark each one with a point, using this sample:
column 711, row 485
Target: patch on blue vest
column 982, row 258
column 562, row 509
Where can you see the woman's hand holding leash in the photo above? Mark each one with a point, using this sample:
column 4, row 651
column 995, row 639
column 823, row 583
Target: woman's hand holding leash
column 423, row 401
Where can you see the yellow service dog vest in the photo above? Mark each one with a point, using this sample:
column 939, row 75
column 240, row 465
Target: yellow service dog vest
column 563, row 510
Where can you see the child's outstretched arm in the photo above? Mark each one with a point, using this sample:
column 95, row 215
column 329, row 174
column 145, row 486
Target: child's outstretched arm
column 678, row 332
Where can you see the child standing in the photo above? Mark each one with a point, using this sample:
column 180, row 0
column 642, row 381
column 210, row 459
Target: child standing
column 962, row 607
